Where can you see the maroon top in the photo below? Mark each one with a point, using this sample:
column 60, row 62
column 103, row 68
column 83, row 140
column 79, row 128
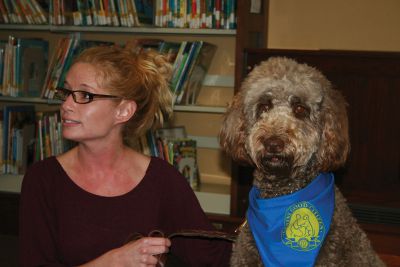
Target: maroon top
column 63, row 225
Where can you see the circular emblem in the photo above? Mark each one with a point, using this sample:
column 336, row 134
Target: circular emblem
column 304, row 228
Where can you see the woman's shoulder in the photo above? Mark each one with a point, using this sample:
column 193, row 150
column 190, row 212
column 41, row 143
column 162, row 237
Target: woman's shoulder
column 44, row 165
column 167, row 176
column 159, row 165
column 41, row 173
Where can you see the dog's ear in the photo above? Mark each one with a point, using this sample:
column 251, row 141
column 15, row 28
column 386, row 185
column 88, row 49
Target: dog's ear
column 335, row 145
column 232, row 134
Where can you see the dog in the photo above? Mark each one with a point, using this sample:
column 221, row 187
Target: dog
column 289, row 123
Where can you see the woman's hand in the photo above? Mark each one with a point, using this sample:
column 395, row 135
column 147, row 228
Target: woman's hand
column 144, row 252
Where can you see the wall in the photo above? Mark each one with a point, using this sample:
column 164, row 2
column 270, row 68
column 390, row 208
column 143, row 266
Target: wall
column 335, row 24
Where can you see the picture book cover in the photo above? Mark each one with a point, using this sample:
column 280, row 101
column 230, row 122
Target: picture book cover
column 18, row 134
column 32, row 58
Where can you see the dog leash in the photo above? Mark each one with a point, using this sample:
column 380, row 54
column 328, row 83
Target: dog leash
column 187, row 233
column 162, row 258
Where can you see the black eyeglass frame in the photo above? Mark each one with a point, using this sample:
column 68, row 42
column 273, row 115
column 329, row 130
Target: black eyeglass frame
column 91, row 96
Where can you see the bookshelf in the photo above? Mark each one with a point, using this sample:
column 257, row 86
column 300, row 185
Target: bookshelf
column 219, row 180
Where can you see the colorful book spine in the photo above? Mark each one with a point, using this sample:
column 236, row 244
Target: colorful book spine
column 4, row 12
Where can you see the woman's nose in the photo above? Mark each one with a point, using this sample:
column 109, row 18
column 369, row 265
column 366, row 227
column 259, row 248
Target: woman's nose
column 69, row 100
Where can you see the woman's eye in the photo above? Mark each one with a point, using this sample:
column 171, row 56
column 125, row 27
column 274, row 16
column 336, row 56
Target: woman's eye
column 86, row 95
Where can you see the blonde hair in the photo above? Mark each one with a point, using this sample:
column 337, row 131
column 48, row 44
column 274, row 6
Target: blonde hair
column 142, row 77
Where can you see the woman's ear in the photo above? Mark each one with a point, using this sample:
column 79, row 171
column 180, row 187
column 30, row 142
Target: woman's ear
column 125, row 110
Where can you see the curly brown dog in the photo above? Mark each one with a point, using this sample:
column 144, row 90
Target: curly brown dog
column 290, row 124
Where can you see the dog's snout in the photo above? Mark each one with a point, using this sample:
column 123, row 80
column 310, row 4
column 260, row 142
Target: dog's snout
column 274, row 145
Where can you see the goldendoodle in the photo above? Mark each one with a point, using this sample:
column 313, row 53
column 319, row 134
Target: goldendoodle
column 290, row 124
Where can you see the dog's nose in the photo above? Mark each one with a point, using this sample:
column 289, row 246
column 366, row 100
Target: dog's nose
column 274, row 145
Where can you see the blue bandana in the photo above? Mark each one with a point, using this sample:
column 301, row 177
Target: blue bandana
column 289, row 230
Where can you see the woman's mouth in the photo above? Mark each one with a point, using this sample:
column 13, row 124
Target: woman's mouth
column 69, row 122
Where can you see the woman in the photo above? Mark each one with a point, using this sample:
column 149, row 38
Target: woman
column 80, row 208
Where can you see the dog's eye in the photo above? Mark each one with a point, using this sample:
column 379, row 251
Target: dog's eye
column 264, row 107
column 300, row 111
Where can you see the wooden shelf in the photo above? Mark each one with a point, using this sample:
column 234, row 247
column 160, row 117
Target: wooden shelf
column 33, row 100
column 10, row 183
column 147, row 29
column 214, row 198
column 202, row 109
column 185, row 108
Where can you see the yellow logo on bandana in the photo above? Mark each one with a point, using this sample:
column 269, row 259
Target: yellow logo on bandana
column 303, row 227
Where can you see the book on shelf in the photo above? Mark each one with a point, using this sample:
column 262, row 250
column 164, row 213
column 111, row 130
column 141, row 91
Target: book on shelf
column 2, row 55
column 170, row 50
column 23, row 12
column 196, row 14
column 32, row 57
column 28, row 136
column 145, row 11
column 66, row 50
column 62, row 54
column 197, row 71
column 190, row 62
column 94, row 12
column 173, row 145
column 190, row 67
column 143, row 44
column 24, row 64
column 184, row 158
column 48, row 136
column 18, row 132
column 179, row 68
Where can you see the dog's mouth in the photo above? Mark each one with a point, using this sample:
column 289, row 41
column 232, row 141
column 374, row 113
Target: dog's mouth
column 275, row 160
column 274, row 163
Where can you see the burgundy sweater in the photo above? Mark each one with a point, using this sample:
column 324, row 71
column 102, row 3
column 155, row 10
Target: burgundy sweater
column 63, row 225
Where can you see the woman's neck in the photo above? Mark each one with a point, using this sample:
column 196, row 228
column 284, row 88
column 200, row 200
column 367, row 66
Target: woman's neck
column 100, row 156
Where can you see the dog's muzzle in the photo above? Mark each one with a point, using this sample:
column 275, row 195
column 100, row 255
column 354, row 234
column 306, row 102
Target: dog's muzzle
column 273, row 160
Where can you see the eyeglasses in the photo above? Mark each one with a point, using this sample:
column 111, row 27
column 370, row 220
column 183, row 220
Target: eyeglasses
column 80, row 97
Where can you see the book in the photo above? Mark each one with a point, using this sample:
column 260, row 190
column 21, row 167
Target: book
column 191, row 57
column 143, row 44
column 67, row 49
column 56, row 66
column 2, row 55
column 173, row 145
column 4, row 13
column 18, row 133
column 48, row 136
column 184, row 152
column 197, row 72
column 32, row 60
column 170, row 50
column 9, row 68
column 179, row 68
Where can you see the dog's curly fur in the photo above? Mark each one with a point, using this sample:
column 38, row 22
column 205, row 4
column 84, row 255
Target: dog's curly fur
column 290, row 124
